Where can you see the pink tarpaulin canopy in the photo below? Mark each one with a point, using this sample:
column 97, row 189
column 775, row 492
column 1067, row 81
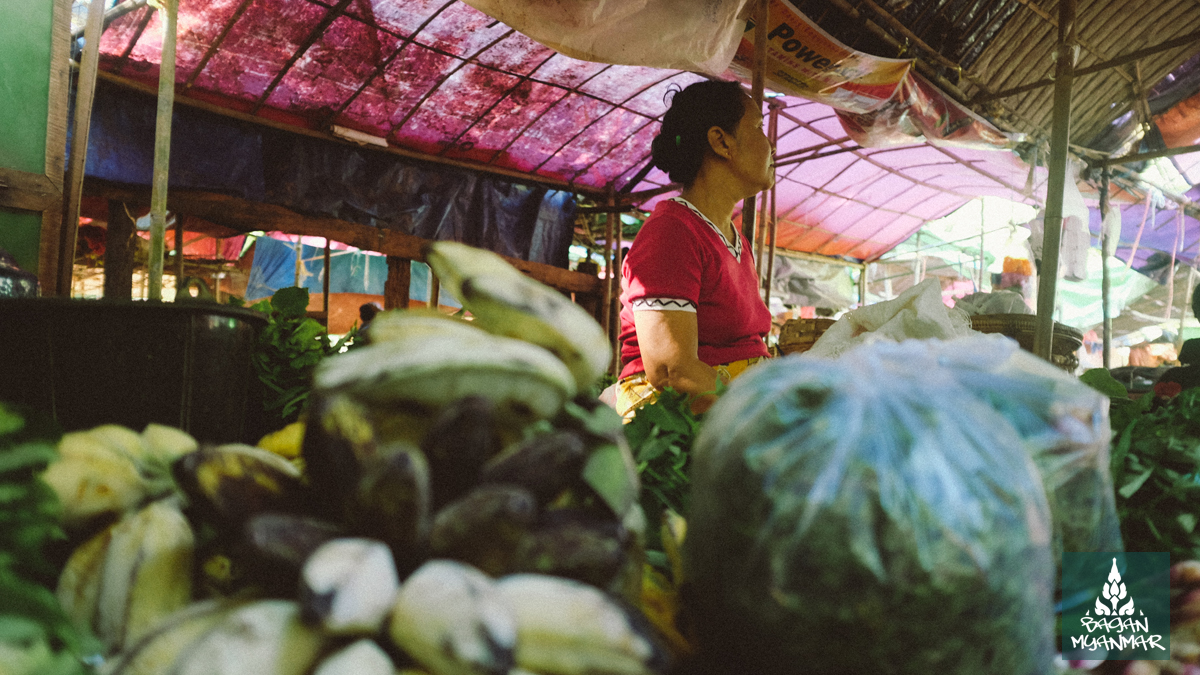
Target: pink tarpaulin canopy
column 449, row 82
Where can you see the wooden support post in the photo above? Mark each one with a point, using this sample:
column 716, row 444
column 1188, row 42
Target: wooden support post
column 162, row 148
column 435, row 290
column 178, row 255
column 862, row 285
column 84, row 95
column 119, row 248
column 220, row 273
column 614, row 334
column 611, row 202
column 325, row 282
column 1060, row 136
column 1184, row 301
column 298, row 275
column 757, row 84
column 395, row 289
column 769, row 214
column 982, row 257
column 1107, row 246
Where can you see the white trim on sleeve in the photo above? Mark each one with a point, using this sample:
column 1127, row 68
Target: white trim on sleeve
column 663, row 304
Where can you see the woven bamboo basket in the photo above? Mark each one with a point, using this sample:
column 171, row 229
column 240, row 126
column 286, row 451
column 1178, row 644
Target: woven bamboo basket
column 1021, row 327
column 799, row 335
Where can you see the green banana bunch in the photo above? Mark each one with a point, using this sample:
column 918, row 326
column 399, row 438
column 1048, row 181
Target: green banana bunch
column 363, row 657
column 160, row 649
column 569, row 628
column 506, row 302
column 110, row 469
column 233, row 482
column 127, row 578
column 265, row 637
column 348, row 586
column 449, row 618
column 434, row 370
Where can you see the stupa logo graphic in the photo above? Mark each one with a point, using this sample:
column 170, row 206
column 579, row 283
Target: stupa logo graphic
column 1115, row 628
column 1115, row 606
column 1114, row 592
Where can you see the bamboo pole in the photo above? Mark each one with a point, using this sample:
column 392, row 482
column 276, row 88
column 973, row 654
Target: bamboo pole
column 1184, row 301
column 615, row 331
column 298, row 271
column 162, row 149
column 611, row 202
column 178, row 255
column 757, row 85
column 770, row 220
column 1060, row 136
column 435, row 290
column 84, row 95
column 1106, row 247
column 325, row 283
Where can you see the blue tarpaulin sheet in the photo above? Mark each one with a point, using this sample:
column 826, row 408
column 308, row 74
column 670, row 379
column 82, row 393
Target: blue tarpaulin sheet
column 324, row 178
column 350, row 272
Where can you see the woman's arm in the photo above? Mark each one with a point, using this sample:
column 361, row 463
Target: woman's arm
column 669, row 344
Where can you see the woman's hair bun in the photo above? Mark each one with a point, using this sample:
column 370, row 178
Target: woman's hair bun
column 681, row 144
column 664, row 150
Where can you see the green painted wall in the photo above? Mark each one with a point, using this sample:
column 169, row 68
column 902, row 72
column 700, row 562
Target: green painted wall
column 25, row 43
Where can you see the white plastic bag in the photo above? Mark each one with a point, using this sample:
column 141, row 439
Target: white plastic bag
column 698, row 35
column 917, row 313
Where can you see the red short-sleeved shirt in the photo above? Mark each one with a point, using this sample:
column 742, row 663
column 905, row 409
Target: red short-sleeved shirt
column 681, row 261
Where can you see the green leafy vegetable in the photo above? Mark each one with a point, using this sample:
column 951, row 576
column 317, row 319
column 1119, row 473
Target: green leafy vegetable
column 661, row 436
column 1156, row 471
column 288, row 351
column 33, row 628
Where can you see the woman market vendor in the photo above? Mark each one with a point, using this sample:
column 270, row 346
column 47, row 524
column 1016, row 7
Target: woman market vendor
column 691, row 312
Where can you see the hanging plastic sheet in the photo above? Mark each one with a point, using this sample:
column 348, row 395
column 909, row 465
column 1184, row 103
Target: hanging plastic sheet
column 431, row 202
column 208, row 152
column 699, row 35
column 324, row 178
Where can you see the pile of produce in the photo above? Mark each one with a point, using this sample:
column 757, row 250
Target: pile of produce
column 457, row 507
column 1155, row 467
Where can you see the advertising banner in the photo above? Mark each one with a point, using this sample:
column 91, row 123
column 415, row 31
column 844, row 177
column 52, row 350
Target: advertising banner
column 881, row 102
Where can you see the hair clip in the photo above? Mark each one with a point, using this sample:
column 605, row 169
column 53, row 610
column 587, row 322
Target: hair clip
column 677, row 141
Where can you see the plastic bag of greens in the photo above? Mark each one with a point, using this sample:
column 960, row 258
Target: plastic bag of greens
column 1066, row 430
column 868, row 514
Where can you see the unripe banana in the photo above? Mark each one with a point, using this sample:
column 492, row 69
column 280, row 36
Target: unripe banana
column 359, row 658
column 261, row 638
column 421, row 324
column 147, row 573
column 506, row 302
column 525, row 378
column 91, row 479
column 449, row 618
column 236, row 481
column 348, row 586
column 167, row 444
column 79, row 584
column 121, row 439
column 569, row 628
column 168, row 643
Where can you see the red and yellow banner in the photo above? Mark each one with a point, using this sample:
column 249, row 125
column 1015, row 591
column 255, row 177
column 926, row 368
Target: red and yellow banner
column 881, row 102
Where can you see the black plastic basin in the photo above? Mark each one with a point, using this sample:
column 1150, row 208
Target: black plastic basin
column 92, row 362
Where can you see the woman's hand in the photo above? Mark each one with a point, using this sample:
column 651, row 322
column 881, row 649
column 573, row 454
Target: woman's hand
column 669, row 344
